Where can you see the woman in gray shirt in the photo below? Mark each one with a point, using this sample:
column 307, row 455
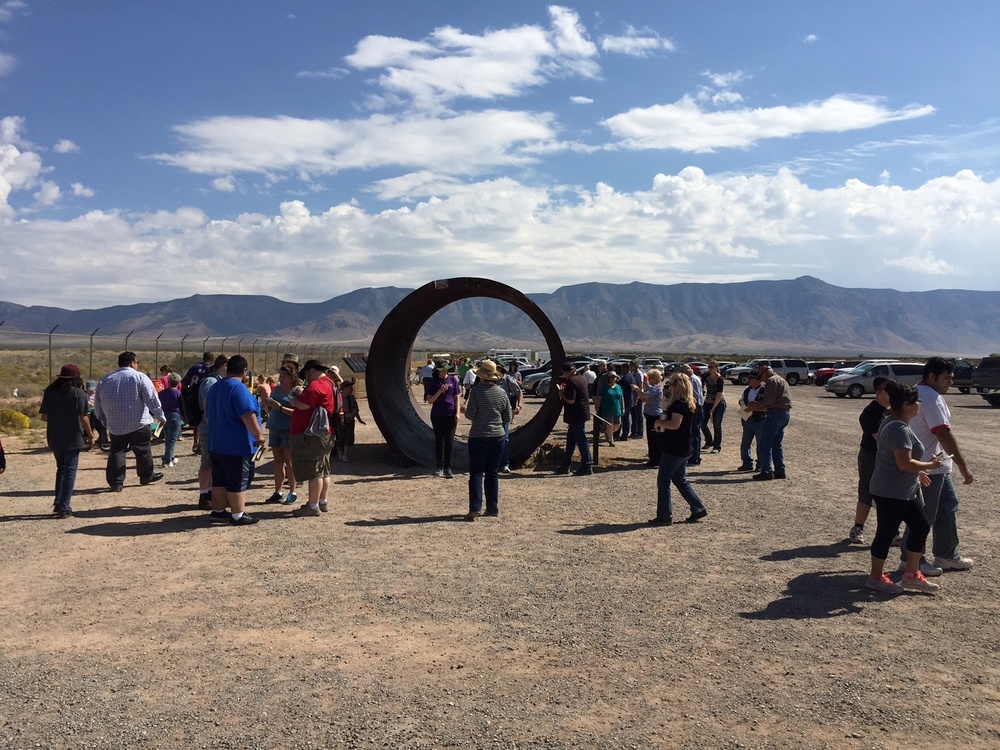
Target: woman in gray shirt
column 895, row 487
column 489, row 410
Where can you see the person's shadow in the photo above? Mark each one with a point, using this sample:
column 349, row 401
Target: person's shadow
column 818, row 595
column 815, row 551
column 601, row 529
column 405, row 520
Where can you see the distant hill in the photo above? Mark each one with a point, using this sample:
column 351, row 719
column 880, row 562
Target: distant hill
column 804, row 316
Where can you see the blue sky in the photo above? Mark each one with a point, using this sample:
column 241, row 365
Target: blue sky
column 153, row 150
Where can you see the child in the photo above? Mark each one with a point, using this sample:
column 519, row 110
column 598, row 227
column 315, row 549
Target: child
column 345, row 438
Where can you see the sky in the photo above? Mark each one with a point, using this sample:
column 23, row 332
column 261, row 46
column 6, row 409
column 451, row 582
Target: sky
column 300, row 149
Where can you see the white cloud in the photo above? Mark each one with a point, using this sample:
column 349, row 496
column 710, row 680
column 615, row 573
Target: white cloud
column 20, row 169
column 66, row 147
column 328, row 73
column 224, row 184
column 684, row 126
column 81, row 191
column 466, row 143
column 688, row 226
column 636, row 42
column 581, row 100
column 810, row 38
column 7, row 63
column 11, row 8
column 48, row 194
column 450, row 64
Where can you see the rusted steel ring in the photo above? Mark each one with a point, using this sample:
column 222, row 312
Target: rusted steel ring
column 390, row 398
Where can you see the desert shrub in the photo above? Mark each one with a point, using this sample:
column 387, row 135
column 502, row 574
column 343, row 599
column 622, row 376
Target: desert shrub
column 13, row 421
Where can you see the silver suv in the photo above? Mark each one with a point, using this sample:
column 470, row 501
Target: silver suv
column 859, row 381
column 795, row 371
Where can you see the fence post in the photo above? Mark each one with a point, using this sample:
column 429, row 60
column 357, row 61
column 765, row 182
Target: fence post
column 90, row 372
column 50, row 351
column 182, row 351
column 156, row 356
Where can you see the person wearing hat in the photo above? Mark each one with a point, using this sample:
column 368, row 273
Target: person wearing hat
column 290, row 359
column 775, row 403
column 488, row 408
column 311, row 452
column 443, row 392
column 752, row 422
column 65, row 412
column 573, row 392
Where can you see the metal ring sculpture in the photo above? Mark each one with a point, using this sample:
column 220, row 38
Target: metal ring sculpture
column 391, row 399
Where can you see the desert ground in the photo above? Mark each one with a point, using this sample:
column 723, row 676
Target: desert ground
column 565, row 623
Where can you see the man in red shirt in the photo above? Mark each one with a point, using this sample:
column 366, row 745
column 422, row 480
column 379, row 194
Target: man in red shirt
column 310, row 451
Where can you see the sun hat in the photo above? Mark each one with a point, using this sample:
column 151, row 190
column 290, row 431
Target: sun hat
column 442, row 364
column 68, row 372
column 487, row 370
column 290, row 357
column 313, row 364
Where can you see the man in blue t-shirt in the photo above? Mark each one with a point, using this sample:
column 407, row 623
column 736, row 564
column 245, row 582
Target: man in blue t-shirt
column 236, row 434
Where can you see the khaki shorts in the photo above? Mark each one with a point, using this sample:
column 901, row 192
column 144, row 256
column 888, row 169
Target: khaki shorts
column 311, row 456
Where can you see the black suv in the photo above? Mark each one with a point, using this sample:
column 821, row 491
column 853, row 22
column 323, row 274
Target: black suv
column 986, row 380
column 963, row 373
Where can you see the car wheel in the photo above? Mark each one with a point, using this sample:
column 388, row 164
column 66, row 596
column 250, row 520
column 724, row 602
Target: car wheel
column 993, row 400
column 856, row 391
column 792, row 379
column 964, row 390
column 744, row 378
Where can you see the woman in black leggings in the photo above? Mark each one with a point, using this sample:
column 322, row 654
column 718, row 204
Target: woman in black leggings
column 899, row 473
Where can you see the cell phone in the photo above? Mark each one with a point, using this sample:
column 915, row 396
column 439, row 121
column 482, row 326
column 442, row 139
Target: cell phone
column 942, row 456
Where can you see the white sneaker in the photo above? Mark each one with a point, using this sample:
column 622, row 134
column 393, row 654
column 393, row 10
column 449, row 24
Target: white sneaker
column 925, row 567
column 883, row 584
column 956, row 563
column 917, row 582
column 857, row 535
column 439, row 472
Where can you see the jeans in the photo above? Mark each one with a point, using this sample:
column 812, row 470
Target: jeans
column 941, row 512
column 505, row 450
column 770, row 454
column 576, row 435
column 713, row 422
column 751, row 431
column 653, row 440
column 626, row 422
column 695, row 457
column 444, row 440
column 484, row 466
column 171, row 431
column 138, row 442
column 673, row 470
column 67, row 461
column 637, row 419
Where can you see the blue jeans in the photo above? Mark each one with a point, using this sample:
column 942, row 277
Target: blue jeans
column 941, row 511
column 484, row 466
column 713, row 422
column 576, row 436
column 505, row 450
column 673, row 470
column 770, row 454
column 695, row 457
column 626, row 422
column 751, row 432
column 638, row 418
column 66, row 465
column 171, row 431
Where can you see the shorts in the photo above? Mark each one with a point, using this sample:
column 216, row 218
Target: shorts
column 311, row 456
column 232, row 472
column 279, row 439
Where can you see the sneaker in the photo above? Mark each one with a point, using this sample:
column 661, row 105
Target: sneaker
column 763, row 476
column 290, row 499
column 245, row 520
column 505, row 470
column 745, row 467
column 448, row 474
column 611, row 443
column 323, row 507
column 716, row 450
column 584, row 471
column 304, row 511
column 917, row 582
column 175, row 462
column 219, row 515
column 857, row 535
column 954, row 563
column 156, row 476
column 925, row 568
column 439, row 472
column 275, row 498
column 706, row 446
column 205, row 501
column 883, row 584
column 562, row 470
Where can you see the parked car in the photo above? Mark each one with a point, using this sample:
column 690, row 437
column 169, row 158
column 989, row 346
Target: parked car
column 792, row 370
column 699, row 368
column 530, row 383
column 859, row 381
column 986, row 380
column 964, row 372
column 651, row 363
column 822, row 374
column 545, row 385
column 814, row 366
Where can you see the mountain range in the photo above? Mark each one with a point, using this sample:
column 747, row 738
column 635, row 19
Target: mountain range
column 804, row 316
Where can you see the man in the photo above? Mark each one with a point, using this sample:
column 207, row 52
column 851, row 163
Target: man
column 235, row 436
column 217, row 373
column 311, row 452
column 752, row 423
column 126, row 404
column 870, row 420
column 512, row 387
column 932, row 426
column 632, row 419
column 600, row 380
column 468, row 380
column 190, row 384
column 775, row 402
column 699, row 397
column 576, row 415
column 427, row 374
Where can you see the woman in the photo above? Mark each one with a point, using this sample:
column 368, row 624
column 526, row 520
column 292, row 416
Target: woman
column 899, row 472
column 676, row 428
column 67, row 429
column 714, row 409
column 610, row 404
column 279, row 422
column 652, row 410
column 170, row 400
column 488, row 408
column 443, row 391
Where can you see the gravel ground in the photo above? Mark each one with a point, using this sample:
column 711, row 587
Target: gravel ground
column 564, row 623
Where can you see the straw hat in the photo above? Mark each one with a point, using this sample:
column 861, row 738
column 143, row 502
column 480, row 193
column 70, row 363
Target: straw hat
column 487, row 370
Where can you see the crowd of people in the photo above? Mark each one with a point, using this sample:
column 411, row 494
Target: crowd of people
column 905, row 461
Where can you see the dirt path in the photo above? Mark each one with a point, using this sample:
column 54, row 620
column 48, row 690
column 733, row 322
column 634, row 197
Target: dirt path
column 564, row 623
